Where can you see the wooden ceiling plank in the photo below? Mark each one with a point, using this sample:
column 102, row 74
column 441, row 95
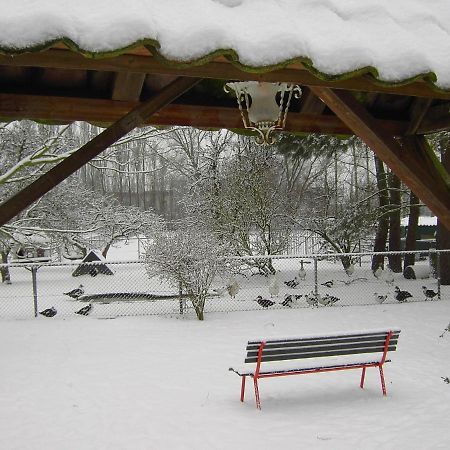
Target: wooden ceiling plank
column 48, row 108
column 424, row 175
column 128, row 86
column 65, row 59
column 134, row 118
column 418, row 110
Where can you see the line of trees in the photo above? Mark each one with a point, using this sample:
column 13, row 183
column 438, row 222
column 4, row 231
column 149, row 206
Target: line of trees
column 250, row 197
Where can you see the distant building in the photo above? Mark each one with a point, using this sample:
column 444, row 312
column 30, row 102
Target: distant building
column 426, row 232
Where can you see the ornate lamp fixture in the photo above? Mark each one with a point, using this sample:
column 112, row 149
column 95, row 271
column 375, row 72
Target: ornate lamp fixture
column 259, row 108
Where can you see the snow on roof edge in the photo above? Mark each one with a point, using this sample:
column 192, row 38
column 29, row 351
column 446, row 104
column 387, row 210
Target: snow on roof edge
column 430, row 78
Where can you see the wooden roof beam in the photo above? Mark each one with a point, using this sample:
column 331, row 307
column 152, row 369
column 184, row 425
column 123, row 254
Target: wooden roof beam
column 134, row 118
column 66, row 59
column 101, row 111
column 414, row 163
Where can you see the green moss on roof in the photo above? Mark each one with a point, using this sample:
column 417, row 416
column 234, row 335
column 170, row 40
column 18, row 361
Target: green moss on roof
column 153, row 46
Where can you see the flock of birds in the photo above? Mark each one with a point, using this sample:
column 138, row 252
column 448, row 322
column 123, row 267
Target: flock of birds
column 402, row 296
column 75, row 294
column 315, row 299
column 312, row 299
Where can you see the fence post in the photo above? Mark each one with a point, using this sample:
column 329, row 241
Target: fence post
column 316, row 280
column 180, row 292
column 438, row 272
column 35, row 296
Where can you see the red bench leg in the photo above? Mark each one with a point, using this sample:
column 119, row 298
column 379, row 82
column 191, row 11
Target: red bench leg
column 363, row 375
column 383, row 386
column 258, row 403
column 243, row 388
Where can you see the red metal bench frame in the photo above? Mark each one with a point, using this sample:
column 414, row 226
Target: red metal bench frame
column 256, row 376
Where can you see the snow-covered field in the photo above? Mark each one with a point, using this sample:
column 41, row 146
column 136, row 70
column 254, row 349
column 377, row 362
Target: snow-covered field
column 110, row 382
column 163, row 383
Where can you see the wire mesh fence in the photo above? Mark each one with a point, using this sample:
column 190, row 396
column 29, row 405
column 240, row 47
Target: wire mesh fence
column 110, row 289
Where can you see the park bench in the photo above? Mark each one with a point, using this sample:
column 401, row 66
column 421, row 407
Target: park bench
column 276, row 357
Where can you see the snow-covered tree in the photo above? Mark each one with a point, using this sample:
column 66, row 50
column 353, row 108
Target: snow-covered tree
column 188, row 258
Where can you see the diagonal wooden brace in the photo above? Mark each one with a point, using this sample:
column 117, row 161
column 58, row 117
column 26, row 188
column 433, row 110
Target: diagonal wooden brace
column 136, row 117
column 414, row 163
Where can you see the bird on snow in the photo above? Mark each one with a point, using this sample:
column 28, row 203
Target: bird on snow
column 49, row 312
column 85, row 310
column 274, row 287
column 301, row 272
column 311, row 299
column 326, row 300
column 328, row 284
column 288, row 301
column 292, row 283
column 429, row 293
column 329, row 300
column 350, row 270
column 265, row 303
column 380, row 298
column 389, row 276
column 446, row 330
column 219, row 290
column 233, row 288
column 75, row 293
column 401, row 296
column 378, row 272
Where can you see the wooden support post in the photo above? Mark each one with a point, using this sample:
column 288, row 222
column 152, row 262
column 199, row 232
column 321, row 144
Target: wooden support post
column 414, row 162
column 76, row 160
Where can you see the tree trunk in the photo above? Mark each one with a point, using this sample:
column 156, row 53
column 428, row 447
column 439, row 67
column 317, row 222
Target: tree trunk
column 383, row 221
column 443, row 234
column 106, row 249
column 413, row 222
column 395, row 261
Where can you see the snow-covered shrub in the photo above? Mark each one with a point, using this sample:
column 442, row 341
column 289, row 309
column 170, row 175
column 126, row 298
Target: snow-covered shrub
column 188, row 258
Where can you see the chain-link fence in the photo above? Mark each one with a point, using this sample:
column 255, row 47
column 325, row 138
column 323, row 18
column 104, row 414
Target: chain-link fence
column 126, row 288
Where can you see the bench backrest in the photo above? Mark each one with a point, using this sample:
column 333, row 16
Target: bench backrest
column 322, row 346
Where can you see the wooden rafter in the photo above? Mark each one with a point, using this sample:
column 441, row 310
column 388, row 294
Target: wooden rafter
column 128, row 86
column 417, row 112
column 107, row 111
column 437, row 118
column 65, row 59
column 310, row 104
column 414, row 163
column 134, row 118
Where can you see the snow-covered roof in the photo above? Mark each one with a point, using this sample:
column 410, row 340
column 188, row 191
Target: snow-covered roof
column 395, row 40
column 427, row 221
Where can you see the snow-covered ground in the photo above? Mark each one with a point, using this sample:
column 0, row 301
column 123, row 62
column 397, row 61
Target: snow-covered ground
column 163, row 383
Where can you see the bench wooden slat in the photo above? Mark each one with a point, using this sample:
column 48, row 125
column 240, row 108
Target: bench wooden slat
column 316, row 355
column 298, row 342
column 362, row 342
column 331, row 337
column 363, row 348
column 343, row 344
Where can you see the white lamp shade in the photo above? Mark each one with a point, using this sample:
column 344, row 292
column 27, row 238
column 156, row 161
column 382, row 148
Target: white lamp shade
column 264, row 107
